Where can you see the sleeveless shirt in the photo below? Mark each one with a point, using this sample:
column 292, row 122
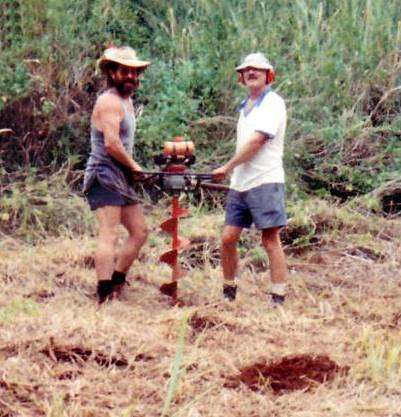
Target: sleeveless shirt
column 102, row 167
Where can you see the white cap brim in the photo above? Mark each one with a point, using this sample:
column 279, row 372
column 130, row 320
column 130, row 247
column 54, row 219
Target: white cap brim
column 256, row 65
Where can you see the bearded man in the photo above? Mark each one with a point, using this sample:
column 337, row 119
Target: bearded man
column 110, row 170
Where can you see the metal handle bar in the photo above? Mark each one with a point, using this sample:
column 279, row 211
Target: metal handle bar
column 194, row 175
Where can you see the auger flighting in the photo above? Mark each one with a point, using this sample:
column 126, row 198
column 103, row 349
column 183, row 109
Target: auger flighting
column 174, row 178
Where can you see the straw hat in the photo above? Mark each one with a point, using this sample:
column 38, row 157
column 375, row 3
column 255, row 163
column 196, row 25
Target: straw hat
column 256, row 60
column 123, row 55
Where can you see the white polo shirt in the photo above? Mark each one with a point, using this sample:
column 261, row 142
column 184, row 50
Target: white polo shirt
column 268, row 116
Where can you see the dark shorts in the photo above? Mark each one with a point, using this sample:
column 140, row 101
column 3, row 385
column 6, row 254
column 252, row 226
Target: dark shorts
column 263, row 206
column 99, row 196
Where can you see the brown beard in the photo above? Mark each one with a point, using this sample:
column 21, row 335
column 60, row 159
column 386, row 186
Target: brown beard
column 126, row 87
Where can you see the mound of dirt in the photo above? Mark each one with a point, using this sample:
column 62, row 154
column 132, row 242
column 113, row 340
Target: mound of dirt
column 199, row 323
column 291, row 373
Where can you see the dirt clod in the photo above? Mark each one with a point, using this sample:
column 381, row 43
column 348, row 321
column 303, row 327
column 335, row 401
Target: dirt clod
column 202, row 250
column 88, row 261
column 169, row 289
column 43, row 295
column 199, row 323
column 77, row 354
column 291, row 373
column 68, row 375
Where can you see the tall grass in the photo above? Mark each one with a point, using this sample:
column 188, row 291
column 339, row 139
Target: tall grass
column 381, row 357
column 338, row 66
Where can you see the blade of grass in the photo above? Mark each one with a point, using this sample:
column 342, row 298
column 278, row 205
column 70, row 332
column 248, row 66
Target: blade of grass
column 176, row 370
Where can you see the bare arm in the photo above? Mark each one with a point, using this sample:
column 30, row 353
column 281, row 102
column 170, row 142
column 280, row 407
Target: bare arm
column 107, row 116
column 247, row 152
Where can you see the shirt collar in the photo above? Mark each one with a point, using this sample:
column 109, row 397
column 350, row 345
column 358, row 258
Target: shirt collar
column 258, row 100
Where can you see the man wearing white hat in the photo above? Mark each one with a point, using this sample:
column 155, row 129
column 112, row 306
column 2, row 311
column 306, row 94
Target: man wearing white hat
column 257, row 183
column 110, row 170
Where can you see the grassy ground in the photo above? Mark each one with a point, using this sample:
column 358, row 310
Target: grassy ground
column 62, row 355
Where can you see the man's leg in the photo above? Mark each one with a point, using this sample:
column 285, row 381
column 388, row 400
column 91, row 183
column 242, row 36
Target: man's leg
column 134, row 221
column 108, row 218
column 278, row 267
column 229, row 259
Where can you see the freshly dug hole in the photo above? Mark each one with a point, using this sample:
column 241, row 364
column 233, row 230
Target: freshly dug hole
column 291, row 373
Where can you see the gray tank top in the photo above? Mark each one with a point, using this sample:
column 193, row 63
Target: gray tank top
column 102, row 167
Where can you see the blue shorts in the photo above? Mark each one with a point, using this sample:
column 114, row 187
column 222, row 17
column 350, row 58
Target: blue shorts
column 99, row 196
column 263, row 206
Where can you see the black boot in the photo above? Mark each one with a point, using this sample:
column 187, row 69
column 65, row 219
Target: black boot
column 118, row 280
column 229, row 292
column 104, row 290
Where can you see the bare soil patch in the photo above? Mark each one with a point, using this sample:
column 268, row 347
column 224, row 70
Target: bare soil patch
column 300, row 372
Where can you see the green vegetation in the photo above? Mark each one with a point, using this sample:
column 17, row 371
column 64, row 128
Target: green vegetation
column 338, row 65
column 39, row 206
column 18, row 307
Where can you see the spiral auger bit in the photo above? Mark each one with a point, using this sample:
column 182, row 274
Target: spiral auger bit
column 175, row 178
column 178, row 243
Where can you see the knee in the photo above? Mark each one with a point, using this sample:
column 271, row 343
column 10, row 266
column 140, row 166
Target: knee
column 271, row 240
column 140, row 234
column 144, row 233
column 229, row 240
column 108, row 236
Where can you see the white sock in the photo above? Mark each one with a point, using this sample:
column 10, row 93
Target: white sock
column 278, row 288
column 231, row 282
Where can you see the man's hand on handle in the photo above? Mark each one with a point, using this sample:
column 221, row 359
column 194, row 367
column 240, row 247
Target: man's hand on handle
column 221, row 173
column 136, row 171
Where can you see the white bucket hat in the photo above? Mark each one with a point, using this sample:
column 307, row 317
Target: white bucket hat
column 255, row 60
column 123, row 55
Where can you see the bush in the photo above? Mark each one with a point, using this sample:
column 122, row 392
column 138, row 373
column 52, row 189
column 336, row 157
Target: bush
column 338, row 67
column 35, row 207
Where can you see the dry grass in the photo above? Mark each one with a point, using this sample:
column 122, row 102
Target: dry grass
column 62, row 355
